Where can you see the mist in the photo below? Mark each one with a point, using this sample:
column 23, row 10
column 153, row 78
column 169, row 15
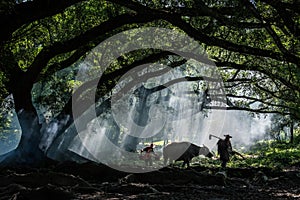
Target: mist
column 244, row 127
column 172, row 114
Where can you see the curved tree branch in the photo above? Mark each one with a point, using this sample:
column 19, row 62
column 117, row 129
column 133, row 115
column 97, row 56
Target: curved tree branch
column 269, row 29
column 49, row 52
column 30, row 11
column 259, row 110
column 177, row 20
column 262, row 70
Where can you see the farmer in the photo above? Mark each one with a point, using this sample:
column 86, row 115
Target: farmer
column 224, row 150
column 149, row 151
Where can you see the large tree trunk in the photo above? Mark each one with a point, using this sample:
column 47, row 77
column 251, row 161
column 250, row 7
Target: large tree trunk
column 27, row 151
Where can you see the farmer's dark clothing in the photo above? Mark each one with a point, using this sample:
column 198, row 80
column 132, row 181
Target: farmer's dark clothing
column 224, row 150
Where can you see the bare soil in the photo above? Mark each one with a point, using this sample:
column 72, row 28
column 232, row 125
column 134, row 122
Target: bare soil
column 92, row 181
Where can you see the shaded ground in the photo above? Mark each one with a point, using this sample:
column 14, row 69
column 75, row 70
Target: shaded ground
column 91, row 181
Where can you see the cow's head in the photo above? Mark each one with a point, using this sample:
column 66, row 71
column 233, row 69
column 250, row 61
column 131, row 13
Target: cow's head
column 204, row 150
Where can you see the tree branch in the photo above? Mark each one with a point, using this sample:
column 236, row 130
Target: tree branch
column 176, row 19
column 262, row 70
column 260, row 110
column 213, row 41
column 269, row 29
column 30, row 11
column 295, row 6
column 264, row 101
column 115, row 75
column 49, row 52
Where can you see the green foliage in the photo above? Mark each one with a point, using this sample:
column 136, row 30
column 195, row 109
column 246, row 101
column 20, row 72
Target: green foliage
column 279, row 126
column 3, row 89
column 9, row 128
column 257, row 54
column 29, row 40
column 272, row 154
column 267, row 154
column 54, row 92
column 259, row 73
column 6, row 113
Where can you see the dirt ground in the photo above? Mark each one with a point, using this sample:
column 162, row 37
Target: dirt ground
column 92, row 181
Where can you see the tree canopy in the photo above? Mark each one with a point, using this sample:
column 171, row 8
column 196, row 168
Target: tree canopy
column 254, row 44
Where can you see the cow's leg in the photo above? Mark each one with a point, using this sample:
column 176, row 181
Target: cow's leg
column 187, row 161
column 171, row 162
column 165, row 160
column 188, row 164
column 183, row 164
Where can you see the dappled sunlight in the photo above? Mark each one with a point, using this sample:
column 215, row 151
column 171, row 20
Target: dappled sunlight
column 10, row 130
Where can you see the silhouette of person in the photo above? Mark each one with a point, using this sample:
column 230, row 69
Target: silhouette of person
column 149, row 150
column 224, row 150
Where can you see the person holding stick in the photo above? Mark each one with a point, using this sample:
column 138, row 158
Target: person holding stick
column 224, row 150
